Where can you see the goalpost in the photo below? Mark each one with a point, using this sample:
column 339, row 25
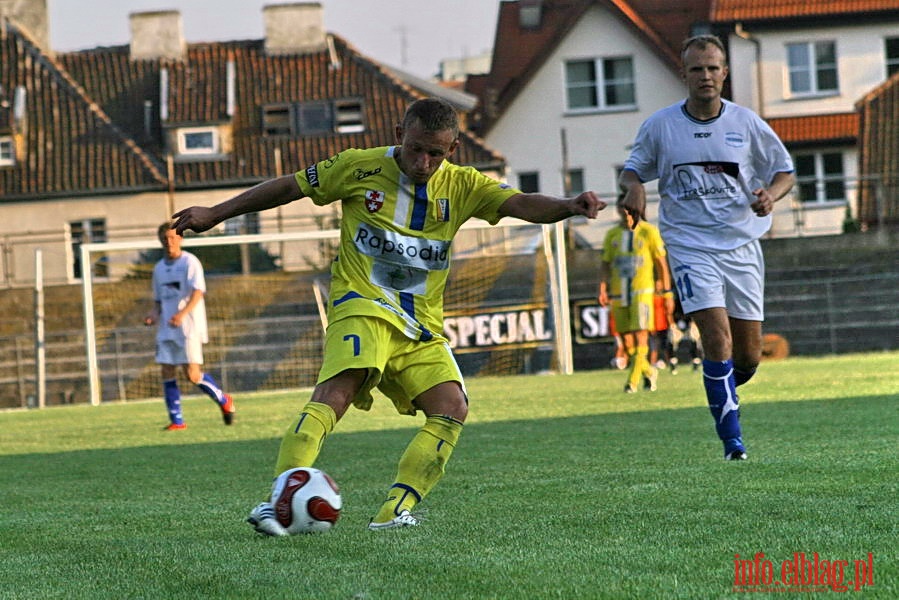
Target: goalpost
column 506, row 307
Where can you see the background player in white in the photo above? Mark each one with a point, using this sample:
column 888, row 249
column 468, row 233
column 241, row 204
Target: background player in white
column 402, row 206
column 720, row 169
column 179, row 287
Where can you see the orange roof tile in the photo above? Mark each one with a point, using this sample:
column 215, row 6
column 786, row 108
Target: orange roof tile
column 747, row 10
column 816, row 128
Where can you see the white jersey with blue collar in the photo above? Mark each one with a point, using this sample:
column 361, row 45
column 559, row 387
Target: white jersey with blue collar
column 707, row 171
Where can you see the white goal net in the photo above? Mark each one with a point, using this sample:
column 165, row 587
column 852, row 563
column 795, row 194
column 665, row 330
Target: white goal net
column 506, row 307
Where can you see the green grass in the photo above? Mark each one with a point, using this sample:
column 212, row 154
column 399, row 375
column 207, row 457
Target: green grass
column 561, row 487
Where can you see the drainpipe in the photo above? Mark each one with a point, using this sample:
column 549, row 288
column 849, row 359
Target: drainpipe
column 742, row 33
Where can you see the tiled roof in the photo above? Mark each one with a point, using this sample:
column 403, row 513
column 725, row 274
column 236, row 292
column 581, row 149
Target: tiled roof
column 94, row 126
column 756, row 10
column 71, row 144
column 816, row 129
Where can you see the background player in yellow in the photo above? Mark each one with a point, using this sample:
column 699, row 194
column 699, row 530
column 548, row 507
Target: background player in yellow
column 633, row 259
column 401, row 207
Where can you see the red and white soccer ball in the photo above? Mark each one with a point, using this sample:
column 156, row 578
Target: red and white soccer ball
column 306, row 500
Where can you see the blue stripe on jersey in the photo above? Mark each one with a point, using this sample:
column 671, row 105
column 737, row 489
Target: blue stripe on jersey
column 407, row 302
column 347, row 296
column 420, row 208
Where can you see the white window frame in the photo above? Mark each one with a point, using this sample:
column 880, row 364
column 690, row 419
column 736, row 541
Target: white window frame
column 7, row 151
column 820, row 179
column 213, row 148
column 810, row 68
column 599, row 85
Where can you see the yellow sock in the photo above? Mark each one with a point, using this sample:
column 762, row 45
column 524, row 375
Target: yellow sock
column 643, row 360
column 633, row 376
column 421, row 466
column 303, row 440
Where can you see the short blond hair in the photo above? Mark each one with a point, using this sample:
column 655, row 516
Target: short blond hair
column 702, row 42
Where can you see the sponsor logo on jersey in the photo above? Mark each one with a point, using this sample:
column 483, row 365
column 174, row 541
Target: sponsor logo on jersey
column 702, row 134
column 399, row 249
column 374, row 200
column 312, row 175
column 330, row 162
column 361, row 174
column 734, row 138
column 443, row 209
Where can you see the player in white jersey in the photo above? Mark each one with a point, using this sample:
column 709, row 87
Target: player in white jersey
column 720, row 169
column 179, row 309
column 402, row 206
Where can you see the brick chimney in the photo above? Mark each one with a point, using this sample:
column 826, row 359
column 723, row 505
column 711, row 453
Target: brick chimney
column 296, row 28
column 157, row 34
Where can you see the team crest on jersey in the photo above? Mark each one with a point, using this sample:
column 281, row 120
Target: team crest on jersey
column 734, row 139
column 374, row 200
column 443, row 209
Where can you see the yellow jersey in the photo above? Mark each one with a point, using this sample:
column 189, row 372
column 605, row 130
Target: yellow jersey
column 632, row 254
column 395, row 235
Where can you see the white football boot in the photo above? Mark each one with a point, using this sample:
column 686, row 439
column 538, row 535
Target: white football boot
column 263, row 520
column 404, row 519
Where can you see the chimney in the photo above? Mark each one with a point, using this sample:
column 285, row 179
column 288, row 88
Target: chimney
column 296, row 28
column 31, row 16
column 157, row 34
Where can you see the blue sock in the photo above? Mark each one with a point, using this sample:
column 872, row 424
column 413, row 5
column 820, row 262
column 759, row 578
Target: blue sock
column 741, row 377
column 211, row 389
column 721, row 393
column 173, row 400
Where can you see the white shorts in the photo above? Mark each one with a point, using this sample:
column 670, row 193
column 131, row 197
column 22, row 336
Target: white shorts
column 733, row 280
column 169, row 352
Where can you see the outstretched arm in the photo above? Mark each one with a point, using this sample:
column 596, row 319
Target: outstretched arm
column 264, row 196
column 539, row 208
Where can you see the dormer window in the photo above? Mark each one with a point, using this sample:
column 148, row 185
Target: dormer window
column 7, row 151
column 319, row 117
column 193, row 141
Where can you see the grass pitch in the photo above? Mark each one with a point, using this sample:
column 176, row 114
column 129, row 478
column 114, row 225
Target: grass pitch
column 561, row 487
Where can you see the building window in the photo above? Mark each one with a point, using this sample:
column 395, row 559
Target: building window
column 892, row 56
column 88, row 231
column 314, row 118
column 529, row 182
column 575, row 181
column 198, row 140
column 600, row 83
column 812, row 68
column 7, row 151
column 243, row 225
column 819, row 177
column 276, row 119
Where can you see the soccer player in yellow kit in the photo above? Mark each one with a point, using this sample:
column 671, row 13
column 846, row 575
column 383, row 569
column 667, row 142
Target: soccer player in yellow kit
column 402, row 206
column 633, row 257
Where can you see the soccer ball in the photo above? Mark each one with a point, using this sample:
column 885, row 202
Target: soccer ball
column 306, row 500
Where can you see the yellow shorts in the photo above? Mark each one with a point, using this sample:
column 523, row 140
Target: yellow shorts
column 637, row 316
column 398, row 366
